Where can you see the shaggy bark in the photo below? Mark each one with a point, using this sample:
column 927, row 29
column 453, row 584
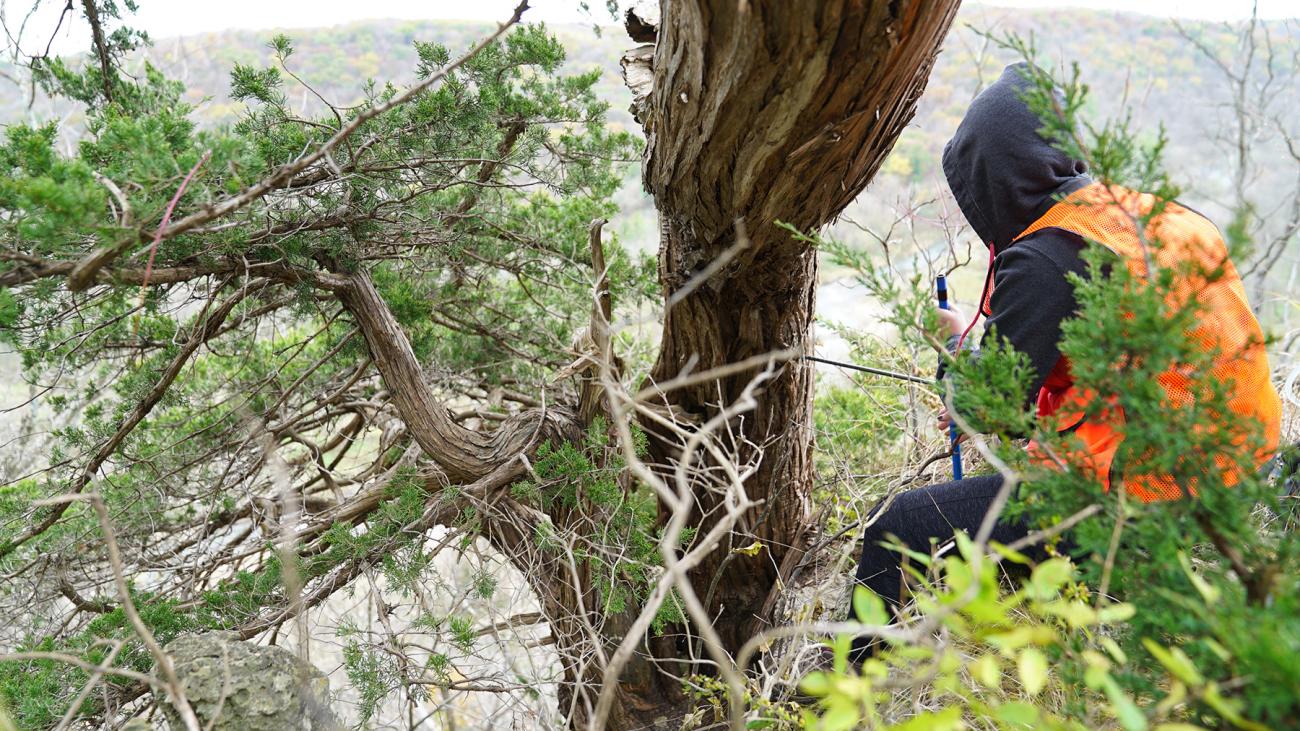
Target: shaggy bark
column 762, row 112
column 566, row 592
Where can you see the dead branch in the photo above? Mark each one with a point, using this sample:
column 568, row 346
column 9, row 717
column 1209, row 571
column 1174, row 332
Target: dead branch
column 175, row 691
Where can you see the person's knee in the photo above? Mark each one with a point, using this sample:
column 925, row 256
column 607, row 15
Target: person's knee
column 881, row 522
column 887, row 528
column 875, row 559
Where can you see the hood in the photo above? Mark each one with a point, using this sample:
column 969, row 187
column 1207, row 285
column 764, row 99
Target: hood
column 1003, row 174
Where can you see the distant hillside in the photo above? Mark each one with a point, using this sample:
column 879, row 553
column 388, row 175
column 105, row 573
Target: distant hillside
column 1144, row 55
column 336, row 62
column 1140, row 59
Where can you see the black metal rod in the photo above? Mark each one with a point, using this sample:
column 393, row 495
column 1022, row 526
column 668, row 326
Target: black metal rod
column 873, row 371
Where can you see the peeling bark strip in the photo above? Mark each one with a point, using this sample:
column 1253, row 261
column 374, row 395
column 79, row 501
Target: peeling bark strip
column 765, row 111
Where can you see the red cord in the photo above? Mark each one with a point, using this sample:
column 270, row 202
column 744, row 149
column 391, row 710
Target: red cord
column 167, row 217
column 979, row 308
column 162, row 226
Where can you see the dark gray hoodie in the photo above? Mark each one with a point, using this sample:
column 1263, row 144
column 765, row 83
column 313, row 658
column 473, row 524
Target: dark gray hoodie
column 1005, row 176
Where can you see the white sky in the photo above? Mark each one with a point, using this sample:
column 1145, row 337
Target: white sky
column 165, row 18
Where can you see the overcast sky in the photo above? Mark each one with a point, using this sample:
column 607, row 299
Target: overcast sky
column 164, row 18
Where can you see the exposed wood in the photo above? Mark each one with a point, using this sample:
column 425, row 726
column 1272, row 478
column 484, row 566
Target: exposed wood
column 642, row 21
column 638, row 74
column 465, row 454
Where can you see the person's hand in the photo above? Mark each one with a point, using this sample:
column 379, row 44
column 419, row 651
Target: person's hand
column 945, row 421
column 953, row 320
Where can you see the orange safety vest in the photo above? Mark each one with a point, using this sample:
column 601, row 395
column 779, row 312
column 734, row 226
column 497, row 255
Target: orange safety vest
column 1106, row 215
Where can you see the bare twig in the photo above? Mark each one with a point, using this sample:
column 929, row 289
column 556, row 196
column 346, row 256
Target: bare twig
column 175, row 691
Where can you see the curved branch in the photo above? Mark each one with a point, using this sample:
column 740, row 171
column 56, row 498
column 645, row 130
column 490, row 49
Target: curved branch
column 463, row 453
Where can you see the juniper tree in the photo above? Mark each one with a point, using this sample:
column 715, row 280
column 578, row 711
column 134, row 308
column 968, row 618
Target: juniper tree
column 282, row 353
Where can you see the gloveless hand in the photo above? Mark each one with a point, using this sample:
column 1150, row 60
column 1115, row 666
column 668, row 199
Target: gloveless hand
column 954, row 321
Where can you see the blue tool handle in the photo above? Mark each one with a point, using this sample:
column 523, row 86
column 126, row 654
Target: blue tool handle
column 941, row 288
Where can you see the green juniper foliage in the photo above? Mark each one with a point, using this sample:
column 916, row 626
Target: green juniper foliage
column 197, row 365
column 591, row 482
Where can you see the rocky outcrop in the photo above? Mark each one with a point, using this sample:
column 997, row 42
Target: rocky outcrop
column 236, row 685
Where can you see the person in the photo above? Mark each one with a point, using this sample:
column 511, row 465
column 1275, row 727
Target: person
column 1037, row 209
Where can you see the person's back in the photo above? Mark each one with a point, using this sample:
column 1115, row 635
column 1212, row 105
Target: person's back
column 1179, row 240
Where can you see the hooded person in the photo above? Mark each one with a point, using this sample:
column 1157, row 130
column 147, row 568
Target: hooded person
column 1029, row 202
column 1005, row 176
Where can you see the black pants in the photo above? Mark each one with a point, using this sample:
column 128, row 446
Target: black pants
column 915, row 517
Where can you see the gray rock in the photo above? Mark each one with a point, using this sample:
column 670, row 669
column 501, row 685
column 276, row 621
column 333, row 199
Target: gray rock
column 247, row 687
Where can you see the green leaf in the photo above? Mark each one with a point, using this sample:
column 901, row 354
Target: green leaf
column 841, row 716
column 921, row 559
column 1126, row 711
column 1229, row 709
column 1113, row 648
column 869, row 608
column 1115, row 613
column 1076, row 614
column 958, row 575
column 1017, row 714
column 1009, row 554
column 1207, row 592
column 1096, row 677
column 1177, row 696
column 1021, row 636
column 1092, row 659
column 988, row 671
column 1032, row 666
column 986, row 608
column 1176, row 662
column 1219, row 650
column 840, row 647
column 1049, row 576
column 949, row 719
column 816, row 683
column 965, row 546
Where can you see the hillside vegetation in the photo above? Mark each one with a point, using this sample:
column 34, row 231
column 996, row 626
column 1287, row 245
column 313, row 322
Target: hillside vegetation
column 1137, row 62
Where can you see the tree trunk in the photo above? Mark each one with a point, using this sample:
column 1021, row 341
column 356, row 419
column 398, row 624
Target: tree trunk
column 759, row 112
column 755, row 112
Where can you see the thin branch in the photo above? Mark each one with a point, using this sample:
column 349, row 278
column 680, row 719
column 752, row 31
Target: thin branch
column 101, row 48
column 175, row 691
column 198, row 336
